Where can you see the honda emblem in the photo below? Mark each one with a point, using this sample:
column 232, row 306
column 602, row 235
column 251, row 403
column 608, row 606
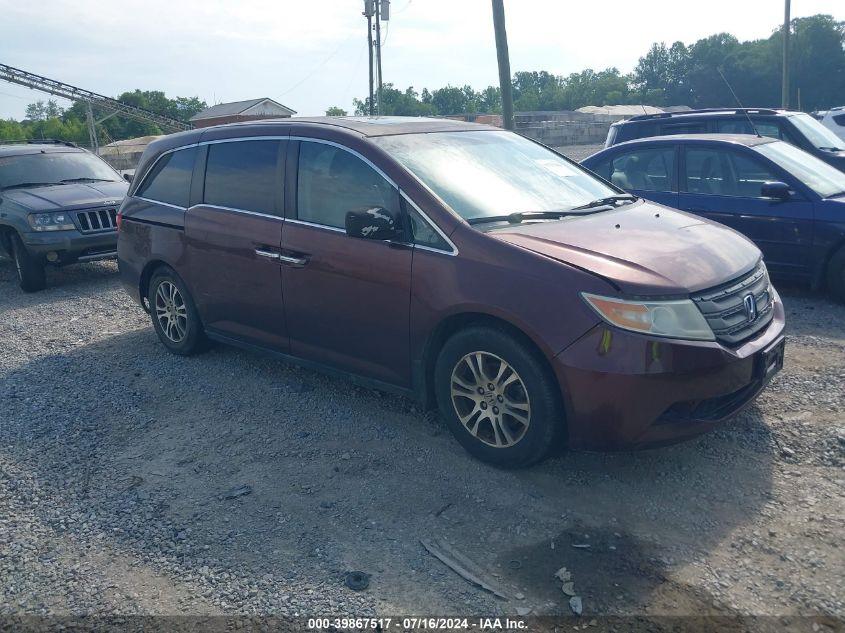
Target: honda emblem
column 750, row 307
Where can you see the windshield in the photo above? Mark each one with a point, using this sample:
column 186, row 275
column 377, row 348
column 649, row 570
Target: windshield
column 53, row 168
column 489, row 174
column 813, row 172
column 816, row 133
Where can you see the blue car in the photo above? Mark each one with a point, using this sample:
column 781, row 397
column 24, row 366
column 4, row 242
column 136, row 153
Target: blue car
column 789, row 203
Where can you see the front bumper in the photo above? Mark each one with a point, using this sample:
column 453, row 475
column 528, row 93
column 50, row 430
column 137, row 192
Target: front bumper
column 71, row 246
column 624, row 390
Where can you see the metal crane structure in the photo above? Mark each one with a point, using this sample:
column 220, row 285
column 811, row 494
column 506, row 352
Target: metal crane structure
column 59, row 89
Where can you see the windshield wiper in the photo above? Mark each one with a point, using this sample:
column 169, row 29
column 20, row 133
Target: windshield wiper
column 23, row 185
column 608, row 202
column 520, row 216
column 85, row 179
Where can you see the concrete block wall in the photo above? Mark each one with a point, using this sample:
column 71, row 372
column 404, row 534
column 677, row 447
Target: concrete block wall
column 558, row 129
column 555, row 129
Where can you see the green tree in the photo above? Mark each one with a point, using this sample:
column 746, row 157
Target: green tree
column 817, row 65
column 336, row 111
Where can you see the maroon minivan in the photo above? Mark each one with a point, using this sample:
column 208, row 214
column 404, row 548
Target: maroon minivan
column 536, row 304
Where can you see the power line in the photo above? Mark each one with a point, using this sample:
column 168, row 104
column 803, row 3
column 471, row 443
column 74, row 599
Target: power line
column 318, row 67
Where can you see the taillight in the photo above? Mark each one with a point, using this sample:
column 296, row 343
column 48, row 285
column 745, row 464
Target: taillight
column 118, row 221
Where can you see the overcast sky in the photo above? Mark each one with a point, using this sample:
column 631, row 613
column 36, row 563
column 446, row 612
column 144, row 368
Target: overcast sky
column 312, row 55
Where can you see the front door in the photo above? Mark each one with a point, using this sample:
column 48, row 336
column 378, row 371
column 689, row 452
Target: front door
column 233, row 237
column 346, row 299
column 724, row 185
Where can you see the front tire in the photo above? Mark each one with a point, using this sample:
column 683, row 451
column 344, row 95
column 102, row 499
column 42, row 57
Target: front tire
column 836, row 275
column 31, row 274
column 498, row 397
column 174, row 315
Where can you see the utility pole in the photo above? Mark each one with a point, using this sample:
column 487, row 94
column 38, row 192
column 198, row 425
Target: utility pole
column 369, row 9
column 504, row 63
column 378, row 50
column 784, row 91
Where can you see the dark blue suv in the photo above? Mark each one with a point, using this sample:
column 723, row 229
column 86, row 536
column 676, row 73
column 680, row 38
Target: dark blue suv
column 796, row 128
column 789, row 203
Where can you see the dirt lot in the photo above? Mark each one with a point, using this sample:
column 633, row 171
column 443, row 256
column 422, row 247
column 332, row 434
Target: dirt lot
column 116, row 461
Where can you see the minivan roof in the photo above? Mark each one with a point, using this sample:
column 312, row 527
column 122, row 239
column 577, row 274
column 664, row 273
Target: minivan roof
column 374, row 126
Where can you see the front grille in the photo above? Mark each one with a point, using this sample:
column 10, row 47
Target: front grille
column 97, row 220
column 725, row 310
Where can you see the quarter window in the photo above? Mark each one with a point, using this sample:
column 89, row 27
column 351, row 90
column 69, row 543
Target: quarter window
column 642, row 170
column 170, row 179
column 243, row 175
column 333, row 181
column 424, row 234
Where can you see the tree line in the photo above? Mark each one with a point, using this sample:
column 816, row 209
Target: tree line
column 48, row 120
column 666, row 75
column 676, row 74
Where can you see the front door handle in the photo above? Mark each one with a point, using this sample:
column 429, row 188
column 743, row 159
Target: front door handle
column 267, row 254
column 293, row 261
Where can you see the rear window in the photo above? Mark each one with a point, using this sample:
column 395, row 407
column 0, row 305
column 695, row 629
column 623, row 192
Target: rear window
column 170, row 179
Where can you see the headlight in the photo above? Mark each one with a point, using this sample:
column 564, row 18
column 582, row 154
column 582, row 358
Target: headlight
column 59, row 221
column 674, row 319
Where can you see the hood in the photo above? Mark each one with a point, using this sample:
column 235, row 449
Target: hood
column 75, row 195
column 644, row 248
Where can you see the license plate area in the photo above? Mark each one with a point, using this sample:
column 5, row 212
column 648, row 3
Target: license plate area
column 770, row 360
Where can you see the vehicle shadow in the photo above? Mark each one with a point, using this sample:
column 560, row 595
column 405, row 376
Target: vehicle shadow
column 62, row 281
column 287, row 478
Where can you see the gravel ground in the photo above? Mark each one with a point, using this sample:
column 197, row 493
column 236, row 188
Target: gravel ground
column 133, row 481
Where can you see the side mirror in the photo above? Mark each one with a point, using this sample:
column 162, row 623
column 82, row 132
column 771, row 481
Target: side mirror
column 776, row 190
column 127, row 177
column 375, row 223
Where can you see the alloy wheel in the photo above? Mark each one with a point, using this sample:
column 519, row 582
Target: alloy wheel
column 171, row 311
column 490, row 399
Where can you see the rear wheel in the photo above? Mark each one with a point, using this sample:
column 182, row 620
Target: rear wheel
column 175, row 317
column 836, row 275
column 497, row 397
column 31, row 275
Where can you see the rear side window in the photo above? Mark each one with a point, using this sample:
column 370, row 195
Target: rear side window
column 332, row 181
column 642, row 170
column 170, row 179
column 735, row 126
column 243, row 175
column 839, row 119
column 684, row 128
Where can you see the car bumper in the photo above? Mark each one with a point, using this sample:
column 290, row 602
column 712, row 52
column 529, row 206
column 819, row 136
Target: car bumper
column 68, row 247
column 626, row 391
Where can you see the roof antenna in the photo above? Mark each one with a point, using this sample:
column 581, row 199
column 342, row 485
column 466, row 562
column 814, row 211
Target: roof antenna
column 744, row 111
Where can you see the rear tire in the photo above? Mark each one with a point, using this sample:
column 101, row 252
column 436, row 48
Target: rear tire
column 498, row 397
column 836, row 275
column 174, row 315
column 31, row 275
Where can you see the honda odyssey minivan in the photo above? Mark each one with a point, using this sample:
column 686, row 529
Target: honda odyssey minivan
column 535, row 304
